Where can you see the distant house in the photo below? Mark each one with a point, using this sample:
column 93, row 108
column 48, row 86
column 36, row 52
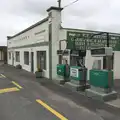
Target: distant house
column 3, row 54
column 37, row 45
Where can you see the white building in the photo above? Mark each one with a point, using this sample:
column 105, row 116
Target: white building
column 39, row 43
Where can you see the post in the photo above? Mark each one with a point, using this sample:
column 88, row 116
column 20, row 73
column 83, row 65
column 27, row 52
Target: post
column 59, row 3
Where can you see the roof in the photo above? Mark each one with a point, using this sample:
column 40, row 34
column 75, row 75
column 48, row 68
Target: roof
column 25, row 30
column 89, row 30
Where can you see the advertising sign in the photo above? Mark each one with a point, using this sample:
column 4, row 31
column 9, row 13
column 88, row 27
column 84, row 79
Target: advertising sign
column 83, row 40
column 74, row 72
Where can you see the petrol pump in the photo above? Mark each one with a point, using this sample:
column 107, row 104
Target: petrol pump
column 101, row 80
column 78, row 71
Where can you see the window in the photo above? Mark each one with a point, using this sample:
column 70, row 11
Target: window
column 9, row 55
column 26, row 58
column 111, row 62
column 17, row 56
column 41, row 59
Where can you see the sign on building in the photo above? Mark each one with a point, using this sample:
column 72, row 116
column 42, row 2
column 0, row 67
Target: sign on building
column 83, row 40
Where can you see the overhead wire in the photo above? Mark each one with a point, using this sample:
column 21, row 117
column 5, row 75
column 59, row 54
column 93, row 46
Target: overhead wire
column 70, row 4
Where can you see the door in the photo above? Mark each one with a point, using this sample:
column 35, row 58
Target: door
column 13, row 59
column 32, row 61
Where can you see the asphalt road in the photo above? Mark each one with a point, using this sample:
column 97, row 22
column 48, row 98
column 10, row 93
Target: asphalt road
column 22, row 98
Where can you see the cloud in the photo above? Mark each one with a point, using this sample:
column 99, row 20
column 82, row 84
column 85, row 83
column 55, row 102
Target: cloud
column 16, row 15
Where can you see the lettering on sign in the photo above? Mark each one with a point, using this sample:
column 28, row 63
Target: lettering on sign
column 82, row 41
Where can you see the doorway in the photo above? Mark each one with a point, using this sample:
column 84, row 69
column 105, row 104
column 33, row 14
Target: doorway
column 32, row 61
column 12, row 58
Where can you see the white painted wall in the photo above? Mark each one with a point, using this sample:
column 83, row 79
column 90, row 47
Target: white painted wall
column 117, row 64
column 35, row 35
column 31, row 38
column 28, row 67
column 56, row 22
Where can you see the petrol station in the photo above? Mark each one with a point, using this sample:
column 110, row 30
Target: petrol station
column 100, row 85
column 67, row 55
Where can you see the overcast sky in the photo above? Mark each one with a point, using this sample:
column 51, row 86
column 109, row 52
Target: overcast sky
column 16, row 15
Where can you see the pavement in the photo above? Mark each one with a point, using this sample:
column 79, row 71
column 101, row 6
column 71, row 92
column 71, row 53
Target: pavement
column 23, row 97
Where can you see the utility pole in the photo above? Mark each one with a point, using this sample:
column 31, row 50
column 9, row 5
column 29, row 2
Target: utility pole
column 59, row 3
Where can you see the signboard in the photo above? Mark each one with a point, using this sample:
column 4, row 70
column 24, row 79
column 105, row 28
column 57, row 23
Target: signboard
column 83, row 40
column 74, row 72
column 62, row 52
column 76, row 53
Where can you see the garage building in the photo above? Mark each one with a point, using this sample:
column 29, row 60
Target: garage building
column 38, row 44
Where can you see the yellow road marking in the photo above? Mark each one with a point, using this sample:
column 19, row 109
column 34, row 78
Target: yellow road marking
column 16, row 84
column 8, row 90
column 3, row 75
column 51, row 110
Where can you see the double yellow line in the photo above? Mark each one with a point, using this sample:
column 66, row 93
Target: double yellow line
column 6, row 90
column 13, row 89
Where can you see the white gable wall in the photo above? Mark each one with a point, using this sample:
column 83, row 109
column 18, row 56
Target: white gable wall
column 30, row 37
column 38, row 35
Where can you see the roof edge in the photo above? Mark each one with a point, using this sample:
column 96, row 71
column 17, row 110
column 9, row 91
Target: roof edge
column 89, row 30
column 54, row 8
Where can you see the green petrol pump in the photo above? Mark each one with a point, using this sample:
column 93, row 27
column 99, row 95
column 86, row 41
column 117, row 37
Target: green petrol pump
column 101, row 80
column 78, row 71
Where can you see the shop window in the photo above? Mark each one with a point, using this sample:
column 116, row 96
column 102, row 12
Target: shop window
column 26, row 58
column 17, row 56
column 41, row 59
